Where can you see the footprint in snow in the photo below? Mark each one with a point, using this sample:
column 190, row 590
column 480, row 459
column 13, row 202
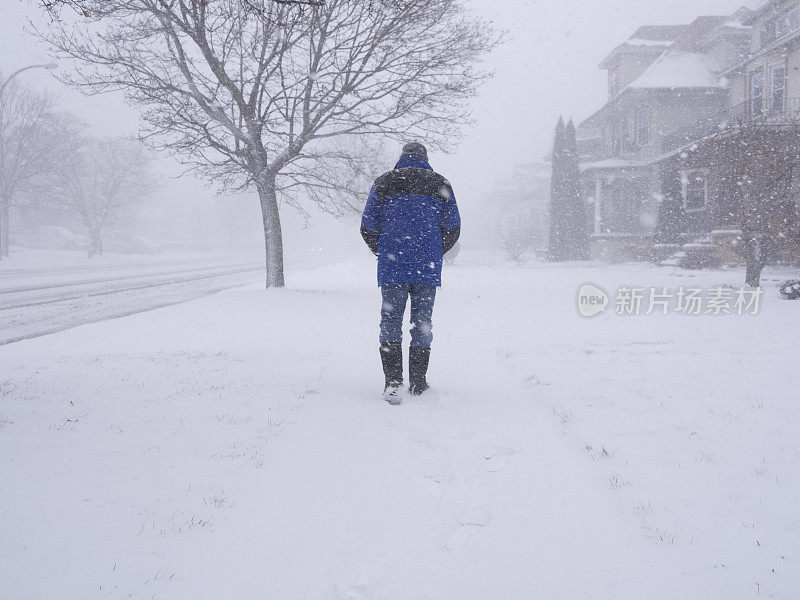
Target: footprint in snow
column 497, row 457
column 357, row 579
column 469, row 522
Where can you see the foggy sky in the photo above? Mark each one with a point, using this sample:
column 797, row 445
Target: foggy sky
column 547, row 67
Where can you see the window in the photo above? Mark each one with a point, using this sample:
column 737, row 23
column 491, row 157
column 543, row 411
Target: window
column 743, row 50
column 642, row 126
column 777, row 99
column 695, row 190
column 625, row 134
column 757, row 92
column 781, row 25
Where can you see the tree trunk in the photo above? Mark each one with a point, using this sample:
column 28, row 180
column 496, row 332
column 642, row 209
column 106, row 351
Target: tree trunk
column 753, row 274
column 273, row 236
column 4, row 229
column 97, row 242
column 2, row 224
column 754, row 259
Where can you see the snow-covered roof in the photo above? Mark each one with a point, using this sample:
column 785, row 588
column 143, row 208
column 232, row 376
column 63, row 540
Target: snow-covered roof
column 668, row 33
column 675, row 69
column 642, row 42
column 613, row 163
column 647, row 39
column 734, row 24
column 756, row 4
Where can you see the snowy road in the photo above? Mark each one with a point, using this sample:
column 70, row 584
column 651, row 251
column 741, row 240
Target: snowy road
column 235, row 447
column 42, row 301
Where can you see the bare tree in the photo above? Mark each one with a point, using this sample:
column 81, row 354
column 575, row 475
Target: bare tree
column 82, row 7
column 516, row 237
column 756, row 164
column 23, row 114
column 282, row 99
column 101, row 181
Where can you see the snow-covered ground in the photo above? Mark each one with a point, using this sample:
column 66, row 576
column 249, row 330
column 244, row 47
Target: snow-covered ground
column 36, row 308
column 235, row 447
column 44, row 292
column 30, row 260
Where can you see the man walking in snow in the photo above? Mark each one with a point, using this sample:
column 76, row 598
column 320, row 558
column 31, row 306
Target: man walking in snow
column 410, row 221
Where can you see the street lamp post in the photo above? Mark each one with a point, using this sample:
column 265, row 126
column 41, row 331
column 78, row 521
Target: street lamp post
column 4, row 225
column 49, row 66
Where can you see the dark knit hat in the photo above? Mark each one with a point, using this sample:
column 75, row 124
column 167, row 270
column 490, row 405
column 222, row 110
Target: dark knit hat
column 416, row 150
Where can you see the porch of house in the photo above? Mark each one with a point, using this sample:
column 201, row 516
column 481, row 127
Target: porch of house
column 623, row 199
column 623, row 207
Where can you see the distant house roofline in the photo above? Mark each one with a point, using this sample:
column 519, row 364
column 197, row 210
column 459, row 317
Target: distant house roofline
column 765, row 7
column 700, row 29
column 782, row 41
column 630, row 48
column 614, row 164
column 678, row 69
column 732, row 28
column 647, row 39
column 587, row 122
column 675, row 46
column 660, row 32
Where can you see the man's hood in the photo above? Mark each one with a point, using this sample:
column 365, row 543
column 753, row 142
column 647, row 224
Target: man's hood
column 412, row 161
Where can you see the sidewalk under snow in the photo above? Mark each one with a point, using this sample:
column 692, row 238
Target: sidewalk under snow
column 236, row 447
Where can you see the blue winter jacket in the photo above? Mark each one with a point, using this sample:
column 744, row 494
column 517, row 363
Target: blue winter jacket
column 411, row 219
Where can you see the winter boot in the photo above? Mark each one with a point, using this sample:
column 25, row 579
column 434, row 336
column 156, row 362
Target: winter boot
column 417, row 369
column 392, row 359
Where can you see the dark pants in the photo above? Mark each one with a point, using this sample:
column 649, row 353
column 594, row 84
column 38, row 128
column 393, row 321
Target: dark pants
column 394, row 305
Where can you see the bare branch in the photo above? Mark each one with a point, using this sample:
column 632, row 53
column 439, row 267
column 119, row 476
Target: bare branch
column 267, row 93
column 23, row 154
column 101, row 181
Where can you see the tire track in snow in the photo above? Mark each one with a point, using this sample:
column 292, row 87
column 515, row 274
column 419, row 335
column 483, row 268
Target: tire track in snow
column 27, row 320
column 115, row 291
column 106, row 280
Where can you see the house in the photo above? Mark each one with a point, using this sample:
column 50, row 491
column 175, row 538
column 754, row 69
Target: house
column 532, row 180
column 666, row 86
column 518, row 207
column 763, row 95
column 767, row 81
